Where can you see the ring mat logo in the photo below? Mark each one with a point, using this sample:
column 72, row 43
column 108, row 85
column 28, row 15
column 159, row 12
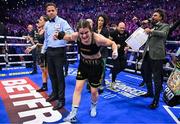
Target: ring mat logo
column 24, row 105
column 124, row 90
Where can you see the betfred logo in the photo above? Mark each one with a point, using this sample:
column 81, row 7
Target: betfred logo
column 24, row 105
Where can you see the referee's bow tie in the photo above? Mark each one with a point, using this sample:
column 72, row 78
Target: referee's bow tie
column 52, row 20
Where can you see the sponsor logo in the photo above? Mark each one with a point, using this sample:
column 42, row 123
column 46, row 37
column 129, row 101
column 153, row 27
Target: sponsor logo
column 24, row 105
column 123, row 90
column 168, row 93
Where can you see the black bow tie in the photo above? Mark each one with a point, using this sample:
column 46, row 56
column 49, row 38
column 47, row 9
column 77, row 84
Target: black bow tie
column 52, row 20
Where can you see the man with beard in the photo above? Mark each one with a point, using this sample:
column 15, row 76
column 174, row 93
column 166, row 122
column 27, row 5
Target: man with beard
column 153, row 56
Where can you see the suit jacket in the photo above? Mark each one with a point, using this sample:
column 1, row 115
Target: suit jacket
column 156, row 42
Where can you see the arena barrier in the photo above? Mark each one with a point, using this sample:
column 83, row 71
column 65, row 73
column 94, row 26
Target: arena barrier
column 134, row 57
column 7, row 55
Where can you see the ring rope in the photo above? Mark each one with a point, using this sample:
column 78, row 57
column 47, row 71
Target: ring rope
column 6, row 55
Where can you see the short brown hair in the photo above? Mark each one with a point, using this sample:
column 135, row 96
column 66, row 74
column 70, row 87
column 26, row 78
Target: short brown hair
column 50, row 4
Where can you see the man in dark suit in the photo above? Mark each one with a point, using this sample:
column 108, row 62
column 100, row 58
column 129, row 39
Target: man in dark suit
column 153, row 56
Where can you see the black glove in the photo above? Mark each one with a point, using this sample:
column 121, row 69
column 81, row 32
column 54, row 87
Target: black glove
column 61, row 35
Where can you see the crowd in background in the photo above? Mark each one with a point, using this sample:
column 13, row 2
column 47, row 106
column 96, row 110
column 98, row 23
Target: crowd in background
column 16, row 19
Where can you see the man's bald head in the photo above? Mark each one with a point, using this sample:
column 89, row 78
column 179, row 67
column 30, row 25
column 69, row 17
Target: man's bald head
column 121, row 27
column 90, row 21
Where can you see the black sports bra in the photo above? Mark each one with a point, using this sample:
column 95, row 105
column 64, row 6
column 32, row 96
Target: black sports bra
column 88, row 49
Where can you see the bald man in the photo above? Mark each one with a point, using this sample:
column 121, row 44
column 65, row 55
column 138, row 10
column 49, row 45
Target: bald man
column 119, row 64
column 31, row 32
column 91, row 22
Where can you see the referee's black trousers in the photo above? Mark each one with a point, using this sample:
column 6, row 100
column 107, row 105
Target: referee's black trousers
column 55, row 58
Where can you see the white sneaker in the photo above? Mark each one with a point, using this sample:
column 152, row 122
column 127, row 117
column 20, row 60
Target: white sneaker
column 71, row 118
column 93, row 111
column 113, row 85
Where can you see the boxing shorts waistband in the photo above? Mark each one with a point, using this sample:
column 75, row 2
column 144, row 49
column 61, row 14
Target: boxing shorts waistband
column 91, row 61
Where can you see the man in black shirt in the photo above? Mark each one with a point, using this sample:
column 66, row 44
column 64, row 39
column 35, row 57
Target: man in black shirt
column 119, row 64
